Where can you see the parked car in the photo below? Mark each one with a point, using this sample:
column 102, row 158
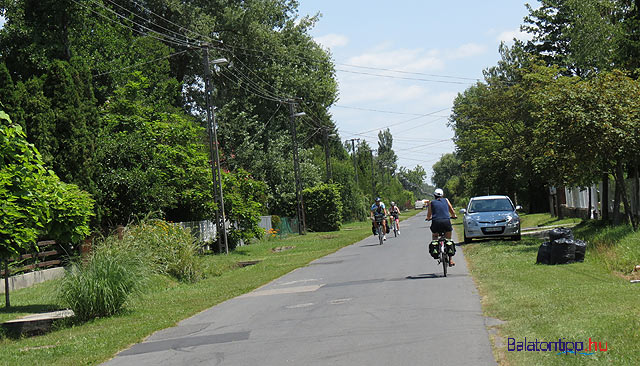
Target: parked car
column 490, row 217
column 419, row 205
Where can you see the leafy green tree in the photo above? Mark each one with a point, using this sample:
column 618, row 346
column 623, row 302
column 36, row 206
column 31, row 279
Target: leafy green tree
column 34, row 202
column 579, row 35
column 150, row 160
column 447, row 167
column 387, row 158
column 595, row 124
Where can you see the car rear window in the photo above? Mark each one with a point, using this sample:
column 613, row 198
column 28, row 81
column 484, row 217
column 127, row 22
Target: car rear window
column 498, row 204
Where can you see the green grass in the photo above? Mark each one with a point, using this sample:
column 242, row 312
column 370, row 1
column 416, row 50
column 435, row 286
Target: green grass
column 575, row 301
column 544, row 219
column 165, row 301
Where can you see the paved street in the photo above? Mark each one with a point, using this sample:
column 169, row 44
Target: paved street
column 363, row 305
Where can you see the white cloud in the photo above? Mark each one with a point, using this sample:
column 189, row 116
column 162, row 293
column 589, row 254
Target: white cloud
column 466, row 50
column 400, row 59
column 333, row 40
column 508, row 36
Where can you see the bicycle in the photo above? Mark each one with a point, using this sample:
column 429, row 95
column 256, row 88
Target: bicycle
column 394, row 224
column 443, row 255
column 378, row 219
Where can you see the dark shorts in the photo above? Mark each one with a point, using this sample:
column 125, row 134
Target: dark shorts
column 441, row 226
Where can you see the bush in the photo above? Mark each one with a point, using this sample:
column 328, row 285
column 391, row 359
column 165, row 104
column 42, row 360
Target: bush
column 171, row 249
column 323, row 207
column 101, row 286
column 244, row 200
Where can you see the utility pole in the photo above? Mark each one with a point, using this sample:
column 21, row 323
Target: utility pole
column 355, row 166
column 373, row 178
column 327, row 154
column 214, row 155
column 296, row 168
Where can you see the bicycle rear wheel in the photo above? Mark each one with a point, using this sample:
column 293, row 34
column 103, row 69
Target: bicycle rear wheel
column 444, row 258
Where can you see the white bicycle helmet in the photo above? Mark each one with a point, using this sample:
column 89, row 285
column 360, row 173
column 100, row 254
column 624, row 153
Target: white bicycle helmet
column 438, row 192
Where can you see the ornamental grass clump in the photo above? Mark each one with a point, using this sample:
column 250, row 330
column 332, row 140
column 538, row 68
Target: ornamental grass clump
column 171, row 249
column 101, row 286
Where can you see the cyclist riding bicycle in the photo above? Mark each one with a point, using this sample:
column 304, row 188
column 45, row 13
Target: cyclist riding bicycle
column 394, row 211
column 441, row 212
column 378, row 209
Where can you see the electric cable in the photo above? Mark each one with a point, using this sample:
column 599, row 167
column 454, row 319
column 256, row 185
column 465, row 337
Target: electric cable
column 142, row 63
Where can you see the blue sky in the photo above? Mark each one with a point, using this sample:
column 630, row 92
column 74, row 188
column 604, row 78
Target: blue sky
column 447, row 43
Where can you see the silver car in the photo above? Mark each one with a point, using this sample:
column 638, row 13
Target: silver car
column 490, row 217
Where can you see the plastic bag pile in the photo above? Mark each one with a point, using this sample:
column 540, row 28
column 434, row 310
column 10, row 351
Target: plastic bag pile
column 561, row 248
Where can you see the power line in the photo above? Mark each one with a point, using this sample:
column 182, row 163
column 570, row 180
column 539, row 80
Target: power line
column 408, row 72
column 409, row 120
column 161, row 37
column 405, row 78
column 376, row 110
column 166, row 37
column 142, row 63
column 147, row 20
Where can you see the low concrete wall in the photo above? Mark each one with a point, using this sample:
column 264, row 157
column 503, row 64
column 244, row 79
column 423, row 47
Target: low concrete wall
column 31, row 278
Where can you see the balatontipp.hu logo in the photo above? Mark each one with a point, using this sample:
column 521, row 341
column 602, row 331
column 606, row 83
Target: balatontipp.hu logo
column 561, row 346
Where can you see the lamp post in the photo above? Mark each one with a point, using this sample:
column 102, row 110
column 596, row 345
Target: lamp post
column 215, row 154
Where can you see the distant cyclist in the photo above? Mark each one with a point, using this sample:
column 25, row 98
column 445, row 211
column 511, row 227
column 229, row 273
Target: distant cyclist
column 378, row 209
column 394, row 211
column 441, row 212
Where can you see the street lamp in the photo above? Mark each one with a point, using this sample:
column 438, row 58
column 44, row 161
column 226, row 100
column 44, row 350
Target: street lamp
column 296, row 168
column 215, row 154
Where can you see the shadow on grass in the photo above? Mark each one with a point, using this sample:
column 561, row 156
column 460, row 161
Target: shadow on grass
column 44, row 308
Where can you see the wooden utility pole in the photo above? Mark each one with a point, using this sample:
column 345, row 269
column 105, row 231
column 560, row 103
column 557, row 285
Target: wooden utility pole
column 296, row 168
column 327, row 154
column 373, row 178
column 355, row 166
column 214, row 157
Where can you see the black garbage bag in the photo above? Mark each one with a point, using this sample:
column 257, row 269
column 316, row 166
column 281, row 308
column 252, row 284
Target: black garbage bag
column 560, row 233
column 581, row 248
column 544, row 253
column 563, row 251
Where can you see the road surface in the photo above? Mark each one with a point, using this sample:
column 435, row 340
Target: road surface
column 363, row 305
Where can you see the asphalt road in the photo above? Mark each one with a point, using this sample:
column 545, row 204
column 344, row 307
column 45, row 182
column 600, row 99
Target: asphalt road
column 363, row 305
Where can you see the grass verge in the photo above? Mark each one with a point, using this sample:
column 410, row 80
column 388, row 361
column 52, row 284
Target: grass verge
column 165, row 301
column 573, row 302
column 544, row 219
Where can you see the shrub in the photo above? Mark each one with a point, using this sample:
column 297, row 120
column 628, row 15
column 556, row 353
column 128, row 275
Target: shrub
column 171, row 249
column 244, row 200
column 323, row 207
column 101, row 286
column 275, row 221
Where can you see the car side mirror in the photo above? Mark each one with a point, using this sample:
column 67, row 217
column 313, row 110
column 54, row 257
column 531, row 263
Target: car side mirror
column 463, row 211
column 518, row 207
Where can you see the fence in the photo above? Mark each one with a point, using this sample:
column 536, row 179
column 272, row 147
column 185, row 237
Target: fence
column 45, row 254
column 577, row 199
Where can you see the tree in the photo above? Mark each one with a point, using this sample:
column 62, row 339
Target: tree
column 387, row 158
column 149, row 159
column 596, row 129
column 33, row 200
column 578, row 35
